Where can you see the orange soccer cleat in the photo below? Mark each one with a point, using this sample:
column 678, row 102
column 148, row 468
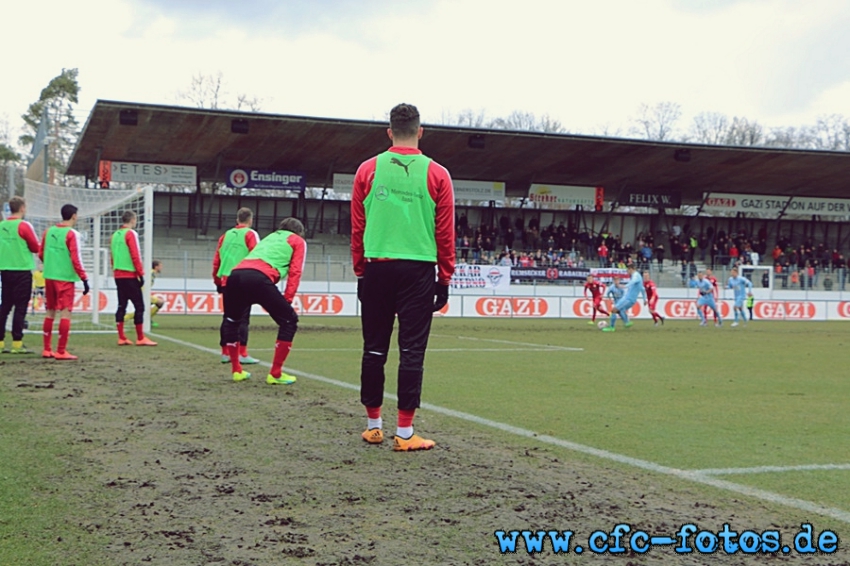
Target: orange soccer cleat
column 415, row 442
column 373, row 436
column 47, row 353
column 125, row 342
column 145, row 342
column 64, row 356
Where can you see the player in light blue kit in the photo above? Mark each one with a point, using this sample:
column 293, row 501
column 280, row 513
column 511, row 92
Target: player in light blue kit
column 615, row 291
column 706, row 299
column 742, row 288
column 633, row 291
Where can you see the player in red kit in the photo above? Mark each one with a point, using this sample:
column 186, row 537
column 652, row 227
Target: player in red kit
column 652, row 298
column 597, row 290
column 714, row 291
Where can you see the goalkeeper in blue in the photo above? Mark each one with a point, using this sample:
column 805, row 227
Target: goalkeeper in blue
column 705, row 288
column 743, row 288
column 633, row 291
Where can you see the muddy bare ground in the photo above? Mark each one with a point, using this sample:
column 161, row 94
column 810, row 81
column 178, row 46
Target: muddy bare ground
column 194, row 469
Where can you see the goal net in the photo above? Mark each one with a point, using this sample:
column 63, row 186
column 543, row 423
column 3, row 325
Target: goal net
column 98, row 217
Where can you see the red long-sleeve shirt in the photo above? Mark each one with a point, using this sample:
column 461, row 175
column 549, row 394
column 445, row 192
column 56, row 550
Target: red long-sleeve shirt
column 651, row 290
column 440, row 189
column 72, row 242
column 296, row 266
column 27, row 233
column 132, row 240
column 596, row 289
column 251, row 239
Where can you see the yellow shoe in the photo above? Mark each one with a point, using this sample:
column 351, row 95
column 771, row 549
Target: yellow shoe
column 415, row 442
column 373, row 436
column 284, row 379
column 241, row 376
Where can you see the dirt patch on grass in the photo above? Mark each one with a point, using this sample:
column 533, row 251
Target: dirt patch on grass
column 194, row 469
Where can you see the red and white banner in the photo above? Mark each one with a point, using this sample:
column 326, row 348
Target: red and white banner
column 510, row 307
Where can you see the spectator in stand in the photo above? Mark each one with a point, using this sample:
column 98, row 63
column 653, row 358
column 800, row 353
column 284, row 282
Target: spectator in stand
column 841, row 267
column 733, row 255
column 464, row 248
column 754, row 257
column 659, row 257
column 602, row 252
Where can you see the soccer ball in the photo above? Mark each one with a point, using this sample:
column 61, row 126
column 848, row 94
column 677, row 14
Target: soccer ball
column 602, row 324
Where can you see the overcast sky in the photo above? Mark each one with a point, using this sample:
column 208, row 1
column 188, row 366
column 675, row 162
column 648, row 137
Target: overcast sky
column 587, row 64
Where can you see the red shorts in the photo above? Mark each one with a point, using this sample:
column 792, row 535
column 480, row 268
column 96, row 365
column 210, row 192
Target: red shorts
column 59, row 295
column 653, row 302
column 597, row 302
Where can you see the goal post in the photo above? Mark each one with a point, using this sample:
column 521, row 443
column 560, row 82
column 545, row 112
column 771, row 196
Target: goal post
column 98, row 217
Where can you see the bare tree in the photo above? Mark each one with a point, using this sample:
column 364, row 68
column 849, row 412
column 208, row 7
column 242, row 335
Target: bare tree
column 709, row 127
column 466, row 118
column 250, row 103
column 205, row 91
column 744, row 132
column 528, row 122
column 832, row 132
column 657, row 122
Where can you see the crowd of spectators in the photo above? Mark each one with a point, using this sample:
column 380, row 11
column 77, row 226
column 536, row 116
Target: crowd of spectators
column 515, row 243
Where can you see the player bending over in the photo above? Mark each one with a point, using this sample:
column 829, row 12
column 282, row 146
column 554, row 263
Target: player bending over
column 633, row 291
column 63, row 266
column 706, row 300
column 743, row 288
column 597, row 290
column 280, row 255
column 652, row 298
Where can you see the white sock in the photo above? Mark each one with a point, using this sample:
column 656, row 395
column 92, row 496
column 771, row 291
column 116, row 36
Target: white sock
column 374, row 423
column 404, row 431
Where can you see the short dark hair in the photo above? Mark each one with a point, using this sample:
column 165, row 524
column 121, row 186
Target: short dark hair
column 15, row 204
column 128, row 216
column 404, row 120
column 244, row 214
column 155, row 263
column 68, row 211
column 291, row 225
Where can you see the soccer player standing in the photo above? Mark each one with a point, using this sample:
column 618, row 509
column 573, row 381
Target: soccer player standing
column 652, row 298
column 17, row 244
column 633, row 291
column 597, row 290
column 742, row 287
column 402, row 224
column 63, row 266
column 715, row 292
column 706, row 300
column 280, row 255
column 129, row 279
column 233, row 246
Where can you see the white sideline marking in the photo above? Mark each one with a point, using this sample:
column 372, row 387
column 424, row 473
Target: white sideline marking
column 542, row 349
column 696, row 476
column 547, row 346
column 768, row 469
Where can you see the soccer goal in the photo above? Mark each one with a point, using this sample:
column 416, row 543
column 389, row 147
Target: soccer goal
column 98, row 217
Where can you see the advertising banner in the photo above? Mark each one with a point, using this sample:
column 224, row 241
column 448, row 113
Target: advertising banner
column 478, row 190
column 606, row 275
column 510, row 307
column 671, row 199
column 481, row 277
column 586, row 197
column 125, row 172
column 343, row 183
column 722, row 202
column 265, row 179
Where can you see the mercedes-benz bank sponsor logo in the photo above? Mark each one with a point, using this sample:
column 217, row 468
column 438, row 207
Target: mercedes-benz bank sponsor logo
column 238, row 178
column 383, row 193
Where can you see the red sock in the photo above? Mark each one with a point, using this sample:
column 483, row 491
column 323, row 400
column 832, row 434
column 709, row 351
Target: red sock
column 243, row 350
column 373, row 412
column 225, row 351
column 48, row 333
column 594, row 316
column 64, row 330
column 603, row 311
column 140, row 332
column 121, row 334
column 233, row 352
column 281, row 351
column 405, row 418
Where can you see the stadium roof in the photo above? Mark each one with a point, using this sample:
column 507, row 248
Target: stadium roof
column 319, row 147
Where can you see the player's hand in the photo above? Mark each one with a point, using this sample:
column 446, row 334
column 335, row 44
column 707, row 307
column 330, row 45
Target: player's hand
column 141, row 282
column 441, row 296
column 360, row 289
column 86, row 288
column 219, row 289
